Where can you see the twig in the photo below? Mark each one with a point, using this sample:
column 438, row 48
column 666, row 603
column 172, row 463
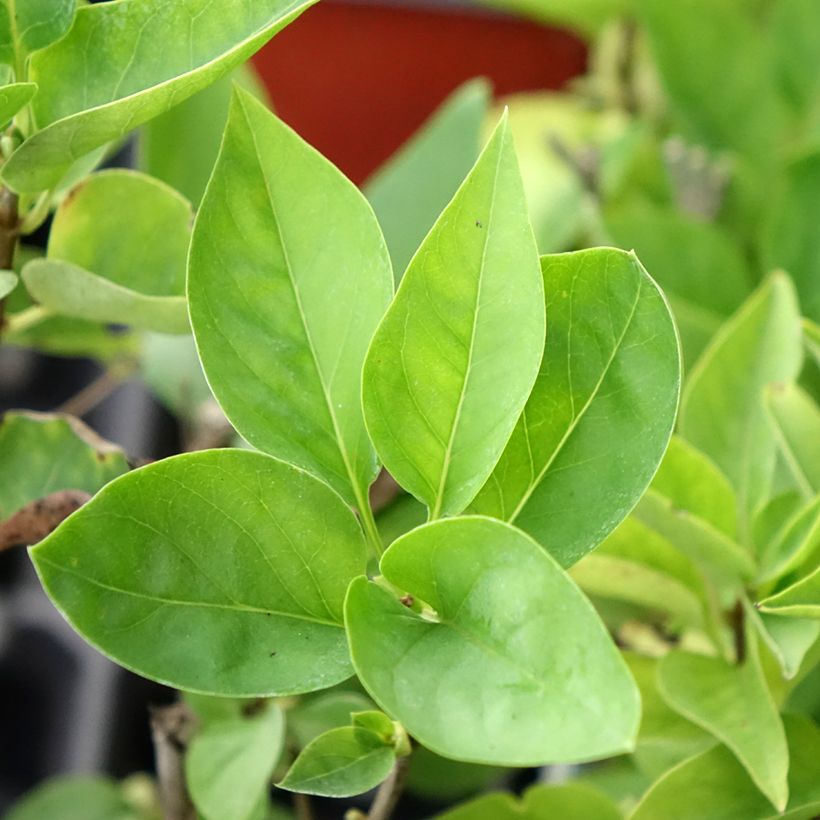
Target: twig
column 92, row 394
column 739, row 631
column 303, row 806
column 390, row 791
column 9, row 233
column 172, row 728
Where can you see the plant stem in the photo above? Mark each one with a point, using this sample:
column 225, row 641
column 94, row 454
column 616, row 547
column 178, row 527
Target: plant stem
column 369, row 525
column 171, row 730
column 28, row 318
column 390, row 791
column 738, row 621
column 303, row 806
column 91, row 395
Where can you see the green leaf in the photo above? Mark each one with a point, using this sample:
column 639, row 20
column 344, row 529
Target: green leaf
column 715, row 779
column 636, row 565
column 789, row 240
column 796, row 421
column 73, row 798
column 453, row 361
column 698, row 265
column 8, row 282
column 800, row 600
column 180, row 147
column 13, row 97
column 795, row 24
column 376, row 722
column 811, row 338
column 788, row 639
column 567, row 800
column 43, row 453
column 230, row 762
column 328, row 711
column 283, row 307
column 795, row 544
column 125, row 227
column 400, row 517
column 124, row 63
column 734, row 704
column 340, row 763
column 246, row 556
column 492, row 674
column 695, row 43
column 722, row 412
column 665, row 738
column 29, row 25
column 600, row 415
column 413, row 187
column 72, row 291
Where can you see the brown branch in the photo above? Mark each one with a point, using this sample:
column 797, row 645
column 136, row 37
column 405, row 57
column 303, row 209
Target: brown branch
column 387, row 797
column 9, row 233
column 37, row 519
column 738, row 623
column 172, row 728
column 91, row 395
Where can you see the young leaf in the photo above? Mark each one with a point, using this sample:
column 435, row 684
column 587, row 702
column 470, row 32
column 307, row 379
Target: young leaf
column 715, row 779
column 340, row 763
column 796, row 421
column 600, row 415
column 494, row 675
column 795, row 544
column 72, row 291
column 636, row 565
column 29, row 25
column 722, row 412
column 414, row 186
column 228, row 577
column 230, row 762
column 665, row 738
column 13, row 97
column 43, row 453
column 788, row 639
column 454, row 359
column 734, row 704
column 288, row 278
column 125, row 227
column 800, row 600
column 74, row 798
column 8, row 282
column 567, row 800
column 308, row 720
column 123, row 63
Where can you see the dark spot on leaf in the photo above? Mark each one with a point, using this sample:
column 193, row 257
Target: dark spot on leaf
column 407, row 600
column 478, row 223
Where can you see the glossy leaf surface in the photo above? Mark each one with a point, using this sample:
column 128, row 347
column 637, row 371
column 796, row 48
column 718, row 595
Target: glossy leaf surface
column 288, row 278
column 45, row 453
column 551, row 686
column 733, row 703
column 453, row 361
column 229, row 764
column 788, row 639
column 29, row 25
column 74, row 292
column 340, row 763
column 600, row 415
column 722, row 412
column 125, row 227
column 716, row 779
column 413, row 187
column 247, row 557
column 123, row 63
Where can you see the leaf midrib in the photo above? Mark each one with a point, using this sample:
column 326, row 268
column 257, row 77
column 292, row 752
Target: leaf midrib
column 303, row 318
column 195, row 604
column 445, row 468
column 577, row 419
